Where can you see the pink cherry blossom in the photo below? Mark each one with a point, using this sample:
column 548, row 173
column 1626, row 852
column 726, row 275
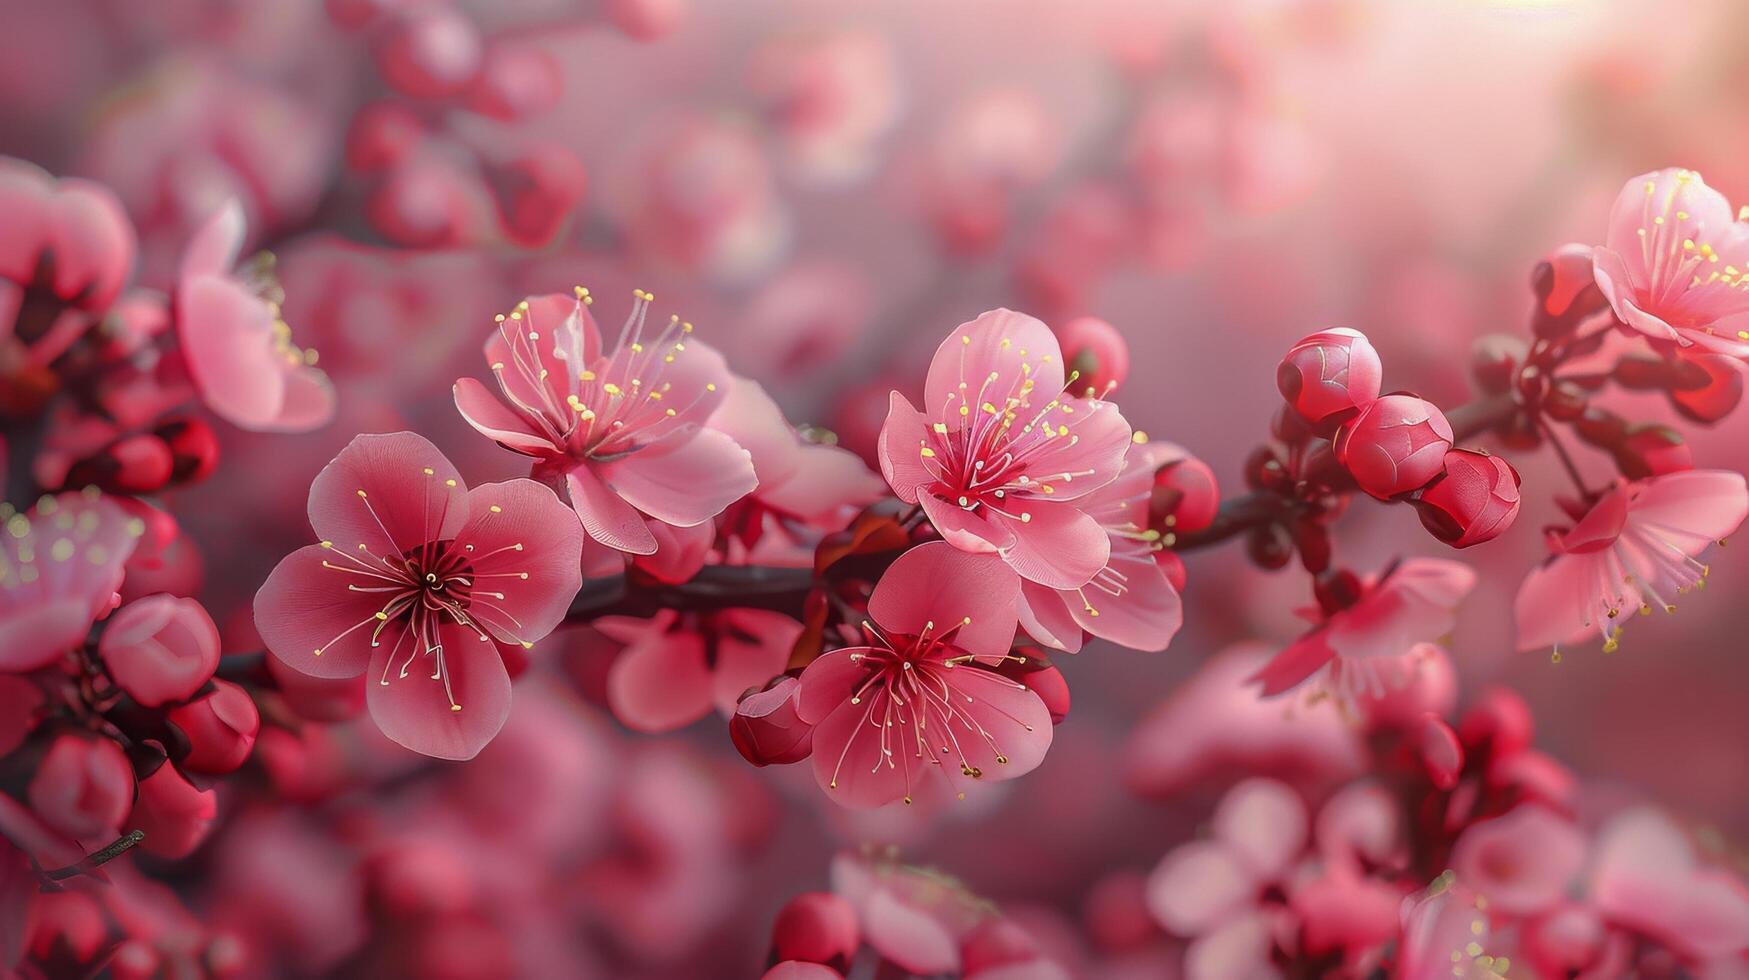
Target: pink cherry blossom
column 1522, row 862
column 676, row 668
column 1368, row 643
column 61, row 563
column 915, row 917
column 1002, row 459
column 1636, row 548
column 621, row 430
column 1130, row 602
column 1673, row 263
column 918, row 708
column 238, row 350
column 1646, row 877
column 418, row 573
column 73, row 230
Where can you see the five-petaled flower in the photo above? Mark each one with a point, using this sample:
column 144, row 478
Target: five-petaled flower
column 1675, row 263
column 1002, row 459
column 1637, row 547
column 417, row 582
column 920, row 707
column 619, row 431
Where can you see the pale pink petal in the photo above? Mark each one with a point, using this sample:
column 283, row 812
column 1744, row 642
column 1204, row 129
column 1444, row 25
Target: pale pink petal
column 215, row 246
column 911, row 938
column 686, row 482
column 607, row 517
column 753, row 420
column 938, row 584
column 903, row 437
column 309, row 403
column 37, row 635
column 526, row 552
column 680, row 551
column 416, row 710
column 226, row 334
column 305, row 606
column 1557, row 602
column 1059, row 546
column 1263, row 823
column 391, row 493
column 1522, row 862
column 661, row 683
column 829, row 480
column 1144, row 614
column 1197, row 885
column 1046, row 616
column 1693, row 508
column 492, row 419
column 1647, row 878
column 1088, row 456
column 999, row 342
column 1416, row 603
column 1235, row 950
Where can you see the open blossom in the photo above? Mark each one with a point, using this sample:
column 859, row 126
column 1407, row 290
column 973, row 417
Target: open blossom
column 1131, row 601
column 416, row 583
column 61, row 563
column 1675, row 263
column 920, row 706
column 1002, row 459
column 239, row 352
column 1367, row 641
column 1637, row 548
column 621, row 430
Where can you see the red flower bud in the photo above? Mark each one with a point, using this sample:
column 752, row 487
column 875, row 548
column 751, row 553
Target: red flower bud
column 536, row 193
column 1440, row 753
column 1475, row 500
column 1499, row 723
column 430, row 54
column 1494, row 359
column 1051, row 687
column 194, row 450
column 1095, row 349
column 83, row 787
column 517, row 80
column 1566, row 291
column 382, row 134
column 1652, row 450
column 1185, row 497
column 135, row 464
column 1717, row 396
column 173, row 814
column 1330, row 375
column 766, row 728
column 816, row 927
column 221, row 729
column 161, row 648
column 1395, row 445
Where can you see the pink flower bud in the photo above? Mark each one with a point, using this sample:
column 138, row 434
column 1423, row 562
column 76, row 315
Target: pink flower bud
column 1474, row 500
column 767, row 730
column 1186, row 496
column 536, row 193
column 160, row 649
column 134, row 464
column 194, row 450
column 1051, row 688
column 1330, row 375
column 1395, row 445
column 1498, row 723
column 430, row 54
column 173, row 814
column 1652, row 450
column 83, row 787
column 19, row 702
column 1562, row 276
column 1095, row 349
column 517, row 80
column 816, row 927
column 381, row 136
column 1440, row 753
column 221, row 729
column 1718, row 396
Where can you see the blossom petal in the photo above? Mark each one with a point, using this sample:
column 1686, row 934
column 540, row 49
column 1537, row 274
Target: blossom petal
column 391, row 493
column 215, row 246
column 1059, row 546
column 1046, row 616
column 686, row 482
column 903, row 436
column 1145, row 615
column 227, row 341
column 965, row 529
column 936, row 584
column 661, row 683
column 414, row 708
column 605, row 515
column 526, row 551
column 1013, row 346
column 1694, row 508
column 492, row 419
column 305, row 606
column 753, row 646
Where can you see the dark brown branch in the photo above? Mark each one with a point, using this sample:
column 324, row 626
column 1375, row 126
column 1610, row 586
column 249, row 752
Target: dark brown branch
column 93, row 861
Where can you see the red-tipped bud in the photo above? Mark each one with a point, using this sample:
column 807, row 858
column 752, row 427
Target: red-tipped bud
column 1652, row 450
column 536, row 193
column 1185, row 497
column 816, row 927
column 136, row 464
column 1096, row 350
column 1051, row 687
column 430, row 54
column 1269, row 546
column 1716, row 396
column 1499, row 722
column 1330, row 375
column 159, row 649
column 1440, row 753
column 83, row 787
column 1474, row 500
column 517, row 80
column 766, row 728
column 194, row 449
column 221, row 729
column 173, row 814
column 1566, row 291
column 1395, row 445
column 1494, row 360
column 382, row 135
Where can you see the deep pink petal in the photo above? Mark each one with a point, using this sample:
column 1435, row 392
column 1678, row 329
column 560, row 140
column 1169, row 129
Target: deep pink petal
column 829, row 682
column 227, row 340
column 605, row 515
column 492, row 419
column 38, row 634
column 936, row 583
column 1059, row 547
column 1144, row 613
column 686, row 482
column 680, row 551
column 525, row 546
column 1296, row 662
column 903, row 437
column 753, row 646
column 1011, row 345
column 661, row 683
column 415, row 710
column 964, row 529
column 391, row 493
column 1047, row 616
column 305, row 606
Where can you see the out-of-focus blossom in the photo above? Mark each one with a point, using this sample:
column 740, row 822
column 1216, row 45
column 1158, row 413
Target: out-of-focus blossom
column 919, row 709
column 1673, row 263
column 1002, row 459
column 1096, row 352
column 620, row 430
column 816, row 927
column 61, row 563
column 83, row 787
column 174, row 814
column 1522, row 862
column 989, row 147
column 1636, row 547
column 1130, row 602
column 1396, row 444
column 914, row 917
column 832, row 96
column 1475, row 500
column 238, row 350
column 807, row 316
column 418, row 573
column 675, row 668
column 1646, row 877
column 159, row 649
column 72, row 231
column 1362, row 642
